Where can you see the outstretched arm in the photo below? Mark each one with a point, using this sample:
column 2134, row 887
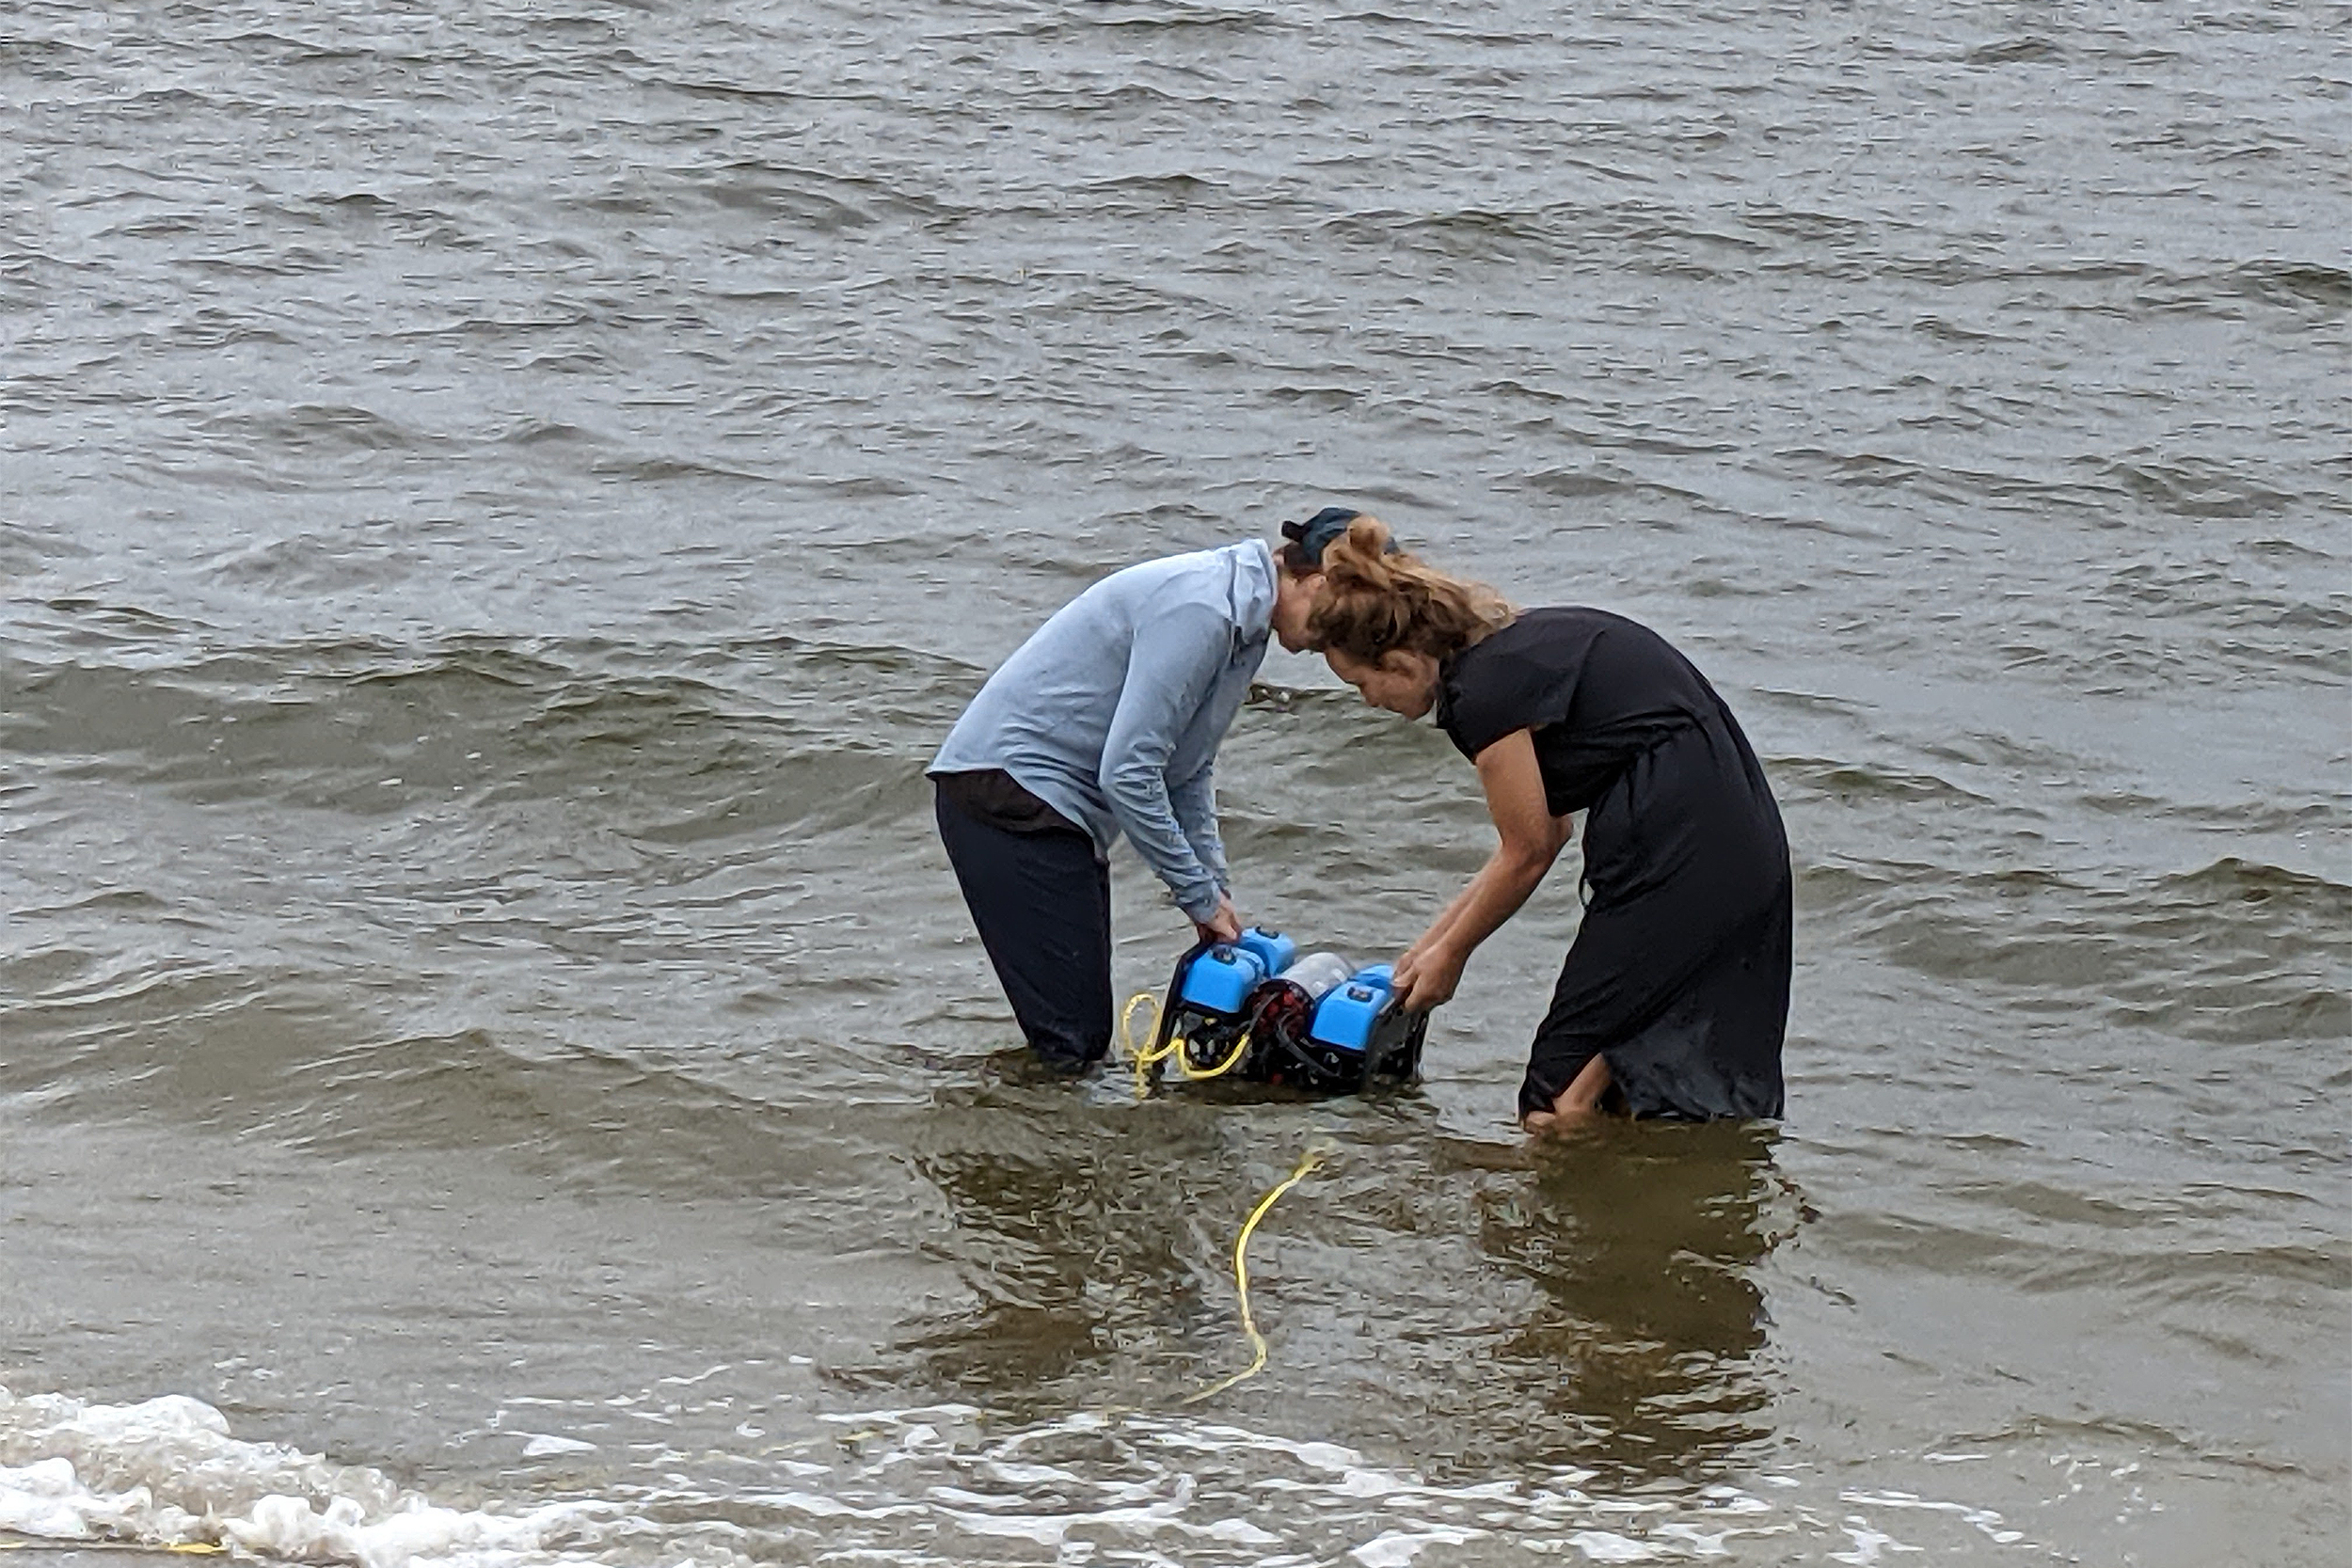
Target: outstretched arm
column 1528, row 839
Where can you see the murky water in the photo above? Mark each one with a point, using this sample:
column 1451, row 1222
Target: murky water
column 499, row 503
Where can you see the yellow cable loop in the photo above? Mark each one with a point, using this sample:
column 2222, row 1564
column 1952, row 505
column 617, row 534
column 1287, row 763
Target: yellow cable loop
column 1241, row 1049
column 1314, row 1157
column 1145, row 1057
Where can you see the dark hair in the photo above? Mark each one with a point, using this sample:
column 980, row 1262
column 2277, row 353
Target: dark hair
column 1309, row 537
column 1376, row 600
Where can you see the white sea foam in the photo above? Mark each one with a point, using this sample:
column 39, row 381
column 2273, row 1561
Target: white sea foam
column 913, row 1488
column 168, row 1472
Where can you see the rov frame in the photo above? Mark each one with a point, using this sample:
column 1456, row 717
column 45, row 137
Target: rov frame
column 1353, row 1036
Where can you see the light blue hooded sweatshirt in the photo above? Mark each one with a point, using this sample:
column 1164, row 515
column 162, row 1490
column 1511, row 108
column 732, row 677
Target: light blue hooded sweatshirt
column 1112, row 711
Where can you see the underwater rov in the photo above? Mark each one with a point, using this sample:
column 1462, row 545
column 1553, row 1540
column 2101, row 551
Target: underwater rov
column 1256, row 1009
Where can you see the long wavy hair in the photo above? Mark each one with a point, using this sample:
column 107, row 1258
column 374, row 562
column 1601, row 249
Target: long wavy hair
column 1374, row 602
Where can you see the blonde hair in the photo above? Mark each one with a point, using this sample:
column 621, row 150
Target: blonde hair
column 1374, row 602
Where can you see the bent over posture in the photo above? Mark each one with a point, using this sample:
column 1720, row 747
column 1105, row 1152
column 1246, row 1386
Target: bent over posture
column 1106, row 723
column 1673, row 999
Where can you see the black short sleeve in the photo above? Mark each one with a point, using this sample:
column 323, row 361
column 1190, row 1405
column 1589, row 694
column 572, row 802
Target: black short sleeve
column 1522, row 677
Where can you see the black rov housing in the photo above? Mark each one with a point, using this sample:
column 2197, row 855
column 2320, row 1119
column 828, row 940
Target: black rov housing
column 1254, row 1010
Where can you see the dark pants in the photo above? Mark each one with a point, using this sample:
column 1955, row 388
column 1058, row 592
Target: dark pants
column 1042, row 903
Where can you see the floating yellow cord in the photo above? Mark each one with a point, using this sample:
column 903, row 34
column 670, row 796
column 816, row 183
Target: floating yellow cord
column 1141, row 1055
column 1307, row 1162
column 1146, row 1057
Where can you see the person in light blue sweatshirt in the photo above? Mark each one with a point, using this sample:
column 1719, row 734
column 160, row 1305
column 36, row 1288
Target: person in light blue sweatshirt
column 1106, row 723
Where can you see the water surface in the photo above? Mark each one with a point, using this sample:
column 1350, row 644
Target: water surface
column 498, row 504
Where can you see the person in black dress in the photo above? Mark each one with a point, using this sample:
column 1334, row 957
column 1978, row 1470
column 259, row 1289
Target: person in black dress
column 1674, row 1000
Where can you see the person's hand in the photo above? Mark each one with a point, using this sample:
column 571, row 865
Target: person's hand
column 1223, row 923
column 1576, row 1105
column 1427, row 975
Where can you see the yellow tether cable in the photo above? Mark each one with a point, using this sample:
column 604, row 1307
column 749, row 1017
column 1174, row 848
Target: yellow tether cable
column 1146, row 1057
column 1143, row 1056
column 1233, row 1059
column 1306, row 1161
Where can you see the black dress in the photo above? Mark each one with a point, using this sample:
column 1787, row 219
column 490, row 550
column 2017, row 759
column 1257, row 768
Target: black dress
column 1680, row 975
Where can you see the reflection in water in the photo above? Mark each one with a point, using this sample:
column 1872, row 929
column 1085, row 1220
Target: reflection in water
column 1067, row 1223
column 1642, row 1239
column 1590, row 1303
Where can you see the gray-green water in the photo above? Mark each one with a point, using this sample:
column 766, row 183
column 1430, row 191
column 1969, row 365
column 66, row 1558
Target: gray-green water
column 499, row 503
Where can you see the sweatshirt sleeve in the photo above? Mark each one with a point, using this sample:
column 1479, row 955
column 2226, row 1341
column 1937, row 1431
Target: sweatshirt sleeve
column 1195, row 804
column 1172, row 669
column 1195, row 799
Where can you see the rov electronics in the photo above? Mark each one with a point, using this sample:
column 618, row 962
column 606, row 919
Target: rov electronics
column 1257, row 1009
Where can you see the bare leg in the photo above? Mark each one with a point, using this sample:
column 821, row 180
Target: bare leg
column 1578, row 1104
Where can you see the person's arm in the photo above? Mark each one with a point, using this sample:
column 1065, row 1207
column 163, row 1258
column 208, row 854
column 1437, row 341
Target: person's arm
column 1172, row 669
column 1444, row 922
column 1528, row 840
column 1195, row 804
column 1194, row 801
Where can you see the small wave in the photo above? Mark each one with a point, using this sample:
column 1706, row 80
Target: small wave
column 167, row 1472
column 739, row 92
column 2187, row 488
column 912, row 1486
column 635, row 1119
column 2298, row 282
column 751, row 740
column 310, row 563
column 2253, row 882
column 2234, row 954
column 1574, row 484
column 649, row 470
column 788, row 195
column 337, row 424
column 2307, row 288
column 1185, row 19
column 105, row 623
column 1847, row 782
column 2018, row 51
